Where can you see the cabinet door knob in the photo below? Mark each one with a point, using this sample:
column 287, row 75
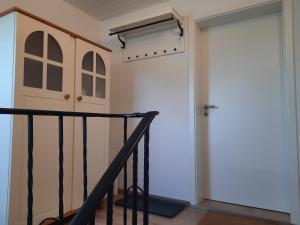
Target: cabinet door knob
column 79, row 98
column 67, row 96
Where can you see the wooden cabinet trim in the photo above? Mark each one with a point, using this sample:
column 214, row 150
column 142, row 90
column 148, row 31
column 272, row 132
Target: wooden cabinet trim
column 19, row 10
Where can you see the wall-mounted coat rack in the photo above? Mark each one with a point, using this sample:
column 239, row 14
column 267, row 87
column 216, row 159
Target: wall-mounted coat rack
column 157, row 23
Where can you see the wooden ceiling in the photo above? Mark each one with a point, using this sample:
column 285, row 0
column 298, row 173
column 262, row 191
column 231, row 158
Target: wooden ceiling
column 107, row 9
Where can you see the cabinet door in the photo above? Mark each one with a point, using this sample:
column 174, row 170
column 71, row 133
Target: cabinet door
column 44, row 80
column 91, row 95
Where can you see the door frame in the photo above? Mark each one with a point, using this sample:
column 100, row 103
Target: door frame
column 290, row 102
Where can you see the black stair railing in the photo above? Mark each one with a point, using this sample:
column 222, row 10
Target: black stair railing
column 105, row 184
column 61, row 169
column 86, row 214
column 125, row 175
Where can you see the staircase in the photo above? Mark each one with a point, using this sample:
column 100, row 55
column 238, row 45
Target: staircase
column 104, row 187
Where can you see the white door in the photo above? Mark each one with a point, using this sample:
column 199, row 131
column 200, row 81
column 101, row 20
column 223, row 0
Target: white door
column 245, row 155
column 44, row 80
column 91, row 95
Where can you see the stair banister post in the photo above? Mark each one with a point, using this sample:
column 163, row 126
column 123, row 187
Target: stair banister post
column 146, row 178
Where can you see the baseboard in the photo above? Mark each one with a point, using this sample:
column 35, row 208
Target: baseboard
column 71, row 214
column 67, row 218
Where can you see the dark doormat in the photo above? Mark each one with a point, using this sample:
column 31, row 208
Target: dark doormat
column 157, row 206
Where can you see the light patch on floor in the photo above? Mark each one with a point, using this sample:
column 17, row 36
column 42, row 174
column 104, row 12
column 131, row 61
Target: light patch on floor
column 243, row 210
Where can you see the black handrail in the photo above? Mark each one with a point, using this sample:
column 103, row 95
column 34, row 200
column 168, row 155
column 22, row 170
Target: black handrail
column 9, row 111
column 86, row 214
column 107, row 180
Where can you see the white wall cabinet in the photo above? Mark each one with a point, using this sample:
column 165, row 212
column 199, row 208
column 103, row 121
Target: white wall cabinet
column 43, row 67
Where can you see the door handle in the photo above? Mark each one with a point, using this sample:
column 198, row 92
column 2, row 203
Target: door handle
column 207, row 108
column 79, row 98
column 210, row 107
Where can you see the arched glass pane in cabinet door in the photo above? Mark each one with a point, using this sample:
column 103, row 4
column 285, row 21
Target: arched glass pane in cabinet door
column 100, row 87
column 54, row 50
column 87, row 85
column 54, row 77
column 34, row 44
column 100, row 66
column 88, row 61
column 33, row 73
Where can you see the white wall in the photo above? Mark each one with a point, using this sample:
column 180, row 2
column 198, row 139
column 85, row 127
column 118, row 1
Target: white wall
column 296, row 19
column 297, row 38
column 296, row 12
column 162, row 84
column 59, row 13
column 297, row 34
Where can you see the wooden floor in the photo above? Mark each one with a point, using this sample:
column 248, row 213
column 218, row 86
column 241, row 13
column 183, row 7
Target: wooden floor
column 187, row 217
column 194, row 215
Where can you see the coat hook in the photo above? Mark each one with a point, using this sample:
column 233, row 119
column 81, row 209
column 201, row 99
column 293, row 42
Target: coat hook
column 122, row 42
column 180, row 28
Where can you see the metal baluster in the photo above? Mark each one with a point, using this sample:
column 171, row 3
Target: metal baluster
column 109, row 214
column 125, row 177
column 146, row 178
column 61, row 170
column 30, row 170
column 85, row 179
column 84, row 135
column 135, row 187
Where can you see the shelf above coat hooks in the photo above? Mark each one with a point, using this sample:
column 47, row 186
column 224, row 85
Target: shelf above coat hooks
column 163, row 21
